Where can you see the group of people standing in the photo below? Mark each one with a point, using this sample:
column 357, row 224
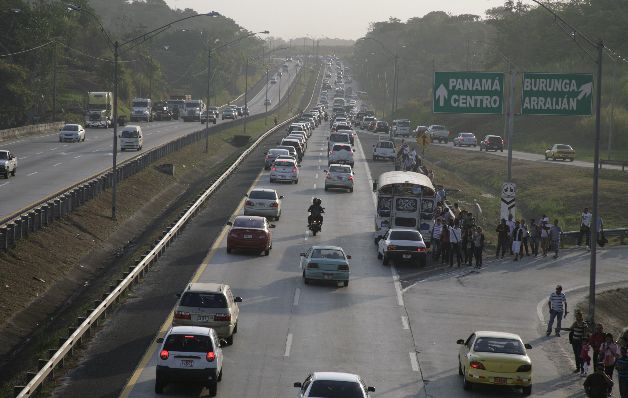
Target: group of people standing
column 516, row 237
column 456, row 236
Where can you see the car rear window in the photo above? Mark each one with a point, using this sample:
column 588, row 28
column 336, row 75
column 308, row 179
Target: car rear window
column 4, row 155
column 328, row 253
column 70, row 127
column 203, row 300
column 494, row 139
column 284, row 163
column 263, row 195
column 336, row 389
column 385, row 145
column 467, row 135
column 339, row 138
column 188, row 343
column 437, row 127
column 405, row 235
column 343, row 127
column 499, row 346
column 340, row 169
column 403, row 123
column 278, row 152
column 341, row 148
column 248, row 223
column 566, row 147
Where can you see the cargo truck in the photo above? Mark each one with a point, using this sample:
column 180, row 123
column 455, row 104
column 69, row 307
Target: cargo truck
column 99, row 109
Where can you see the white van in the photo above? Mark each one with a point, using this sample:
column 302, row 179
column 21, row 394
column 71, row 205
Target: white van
column 131, row 137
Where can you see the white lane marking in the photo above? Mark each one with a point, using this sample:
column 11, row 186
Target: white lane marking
column 413, row 362
column 288, row 345
column 314, row 186
column 316, row 175
column 320, row 160
column 31, row 174
column 57, row 164
column 4, row 183
column 52, row 149
column 319, row 166
column 404, row 322
column 38, row 153
column 76, row 157
column 397, row 284
column 297, row 295
column 23, row 157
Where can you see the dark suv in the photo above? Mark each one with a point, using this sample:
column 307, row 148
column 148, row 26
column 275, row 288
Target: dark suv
column 492, row 143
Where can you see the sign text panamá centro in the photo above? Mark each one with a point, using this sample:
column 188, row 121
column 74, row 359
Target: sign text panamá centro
column 556, row 94
column 468, row 92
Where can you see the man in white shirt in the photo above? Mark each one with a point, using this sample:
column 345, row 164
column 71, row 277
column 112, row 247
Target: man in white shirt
column 585, row 226
column 436, row 233
column 557, row 306
column 455, row 237
column 511, row 227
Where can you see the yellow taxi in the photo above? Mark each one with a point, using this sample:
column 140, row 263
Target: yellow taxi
column 560, row 151
column 495, row 358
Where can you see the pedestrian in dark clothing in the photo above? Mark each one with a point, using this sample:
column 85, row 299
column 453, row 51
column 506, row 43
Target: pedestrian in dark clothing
column 467, row 246
column 622, row 373
column 517, row 236
column 478, row 246
column 598, row 385
column 524, row 239
column 502, row 237
column 609, row 353
column 576, row 335
column 597, row 338
column 554, row 234
column 535, row 237
column 444, row 245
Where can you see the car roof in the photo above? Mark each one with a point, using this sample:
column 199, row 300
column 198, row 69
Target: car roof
column 503, row 335
column 402, row 230
column 336, row 376
column 263, row 190
column 327, row 247
column 250, row 217
column 205, row 287
column 196, row 330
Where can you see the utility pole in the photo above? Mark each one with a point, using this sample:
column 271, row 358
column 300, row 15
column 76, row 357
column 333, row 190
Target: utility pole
column 54, row 82
column 511, row 118
column 114, row 184
column 266, row 101
column 209, row 68
column 246, row 89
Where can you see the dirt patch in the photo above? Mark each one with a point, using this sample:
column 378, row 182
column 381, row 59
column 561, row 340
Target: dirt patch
column 610, row 310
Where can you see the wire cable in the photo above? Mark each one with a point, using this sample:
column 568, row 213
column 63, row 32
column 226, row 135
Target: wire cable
column 28, row 50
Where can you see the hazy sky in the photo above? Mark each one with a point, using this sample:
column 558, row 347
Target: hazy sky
column 346, row 19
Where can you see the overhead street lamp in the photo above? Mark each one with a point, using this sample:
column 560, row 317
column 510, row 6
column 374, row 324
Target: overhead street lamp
column 116, row 46
column 209, row 63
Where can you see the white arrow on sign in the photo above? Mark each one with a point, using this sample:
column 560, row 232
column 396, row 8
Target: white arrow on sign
column 585, row 90
column 441, row 94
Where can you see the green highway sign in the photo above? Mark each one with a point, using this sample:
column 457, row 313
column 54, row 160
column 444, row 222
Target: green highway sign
column 557, row 94
column 468, row 92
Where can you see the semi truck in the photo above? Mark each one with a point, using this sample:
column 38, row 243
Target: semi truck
column 193, row 110
column 176, row 103
column 141, row 110
column 99, row 109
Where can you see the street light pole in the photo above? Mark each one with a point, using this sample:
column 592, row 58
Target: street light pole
column 511, row 118
column 266, row 101
column 246, row 98
column 114, row 184
column 209, row 65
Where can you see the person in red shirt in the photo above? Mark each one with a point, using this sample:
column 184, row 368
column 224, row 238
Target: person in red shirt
column 596, row 339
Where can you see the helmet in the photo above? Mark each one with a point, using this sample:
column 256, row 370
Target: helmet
column 317, row 201
column 314, row 201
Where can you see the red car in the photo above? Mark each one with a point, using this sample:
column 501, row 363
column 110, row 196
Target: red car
column 250, row 233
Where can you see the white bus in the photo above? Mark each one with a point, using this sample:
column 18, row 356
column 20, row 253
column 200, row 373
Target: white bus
column 406, row 200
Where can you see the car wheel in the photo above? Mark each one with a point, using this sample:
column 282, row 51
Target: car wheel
column 501, row 150
column 235, row 329
column 346, row 283
column 385, row 259
column 296, row 181
column 527, row 390
column 379, row 255
column 305, row 280
column 159, row 386
column 13, row 172
column 121, row 149
column 213, row 389
column 466, row 385
column 553, row 158
column 229, row 340
column 272, row 180
column 571, row 160
column 326, row 189
column 267, row 252
column 545, row 156
column 228, row 249
column 350, row 189
column 460, row 368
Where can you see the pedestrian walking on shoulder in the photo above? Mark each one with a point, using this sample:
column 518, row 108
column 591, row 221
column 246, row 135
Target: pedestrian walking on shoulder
column 467, row 246
column 455, row 238
column 576, row 336
column 511, row 227
column 525, row 239
column 597, row 384
column 478, row 246
column 517, row 236
column 597, row 338
column 535, row 237
column 436, row 234
column 502, row 237
column 622, row 372
column 545, row 228
column 585, row 358
column 558, row 310
column 444, row 245
column 585, row 226
column 554, row 235
column 609, row 354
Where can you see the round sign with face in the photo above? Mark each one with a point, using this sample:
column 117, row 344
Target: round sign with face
column 508, row 190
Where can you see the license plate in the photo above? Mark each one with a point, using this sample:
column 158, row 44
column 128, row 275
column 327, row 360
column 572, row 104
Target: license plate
column 203, row 318
column 407, row 256
column 248, row 236
column 187, row 363
column 500, row 380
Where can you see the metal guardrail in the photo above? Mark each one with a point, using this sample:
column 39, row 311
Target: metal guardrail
column 622, row 233
column 136, row 272
column 622, row 163
column 42, row 213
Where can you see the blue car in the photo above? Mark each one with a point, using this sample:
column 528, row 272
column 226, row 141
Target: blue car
column 325, row 263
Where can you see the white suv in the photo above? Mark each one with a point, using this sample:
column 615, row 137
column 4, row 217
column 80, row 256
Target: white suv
column 190, row 353
column 384, row 150
column 341, row 154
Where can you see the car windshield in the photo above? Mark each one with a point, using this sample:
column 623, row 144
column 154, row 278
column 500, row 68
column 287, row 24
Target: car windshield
column 284, row 163
column 565, row 147
column 328, row 253
column 130, row 134
column 468, row 135
column 405, row 235
column 4, row 155
column 403, row 123
column 70, row 127
column 437, row 127
column 188, row 343
column 499, row 345
column 385, row 144
column 203, row 300
column 248, row 223
column 272, row 195
column 140, row 104
column 340, row 169
column 277, row 152
column 341, row 148
column 336, row 389
column 339, row 138
column 494, row 138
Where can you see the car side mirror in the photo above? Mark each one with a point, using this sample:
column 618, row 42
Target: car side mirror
column 297, row 384
column 272, row 226
column 246, row 195
column 178, row 295
column 229, row 223
column 237, row 299
column 374, row 186
column 460, row 341
column 528, row 346
column 222, row 343
column 302, row 254
column 370, row 389
column 280, row 196
column 353, row 150
column 348, row 257
column 160, row 340
column 326, row 171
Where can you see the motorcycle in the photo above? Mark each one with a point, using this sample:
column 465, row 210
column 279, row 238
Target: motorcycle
column 315, row 226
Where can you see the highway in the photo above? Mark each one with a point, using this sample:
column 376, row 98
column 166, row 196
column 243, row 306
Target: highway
column 47, row 166
column 396, row 326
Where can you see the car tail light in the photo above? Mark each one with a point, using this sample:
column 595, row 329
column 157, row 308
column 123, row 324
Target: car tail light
column 274, row 204
column 343, row 267
column 273, row 168
column 222, row 317
column 211, row 356
column 182, row 315
column 391, row 247
column 261, row 236
column 294, row 169
column 477, row 365
column 328, row 176
column 524, row 368
column 164, row 354
column 350, row 178
column 420, row 249
column 249, row 203
column 312, row 265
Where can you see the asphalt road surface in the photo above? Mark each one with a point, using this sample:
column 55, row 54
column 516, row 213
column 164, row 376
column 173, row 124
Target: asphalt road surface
column 46, row 166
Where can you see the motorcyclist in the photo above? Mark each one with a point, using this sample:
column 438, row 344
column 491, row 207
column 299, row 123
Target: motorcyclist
column 316, row 211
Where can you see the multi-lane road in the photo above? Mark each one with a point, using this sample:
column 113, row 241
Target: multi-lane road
column 46, row 166
column 396, row 326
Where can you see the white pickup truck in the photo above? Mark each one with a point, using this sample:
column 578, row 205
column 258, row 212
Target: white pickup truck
column 8, row 163
column 438, row 133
